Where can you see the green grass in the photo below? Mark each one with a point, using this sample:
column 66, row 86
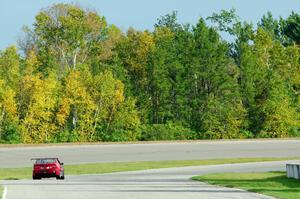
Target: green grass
column 1, row 191
column 274, row 184
column 98, row 168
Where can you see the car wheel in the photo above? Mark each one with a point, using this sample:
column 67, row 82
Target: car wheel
column 61, row 176
column 36, row 178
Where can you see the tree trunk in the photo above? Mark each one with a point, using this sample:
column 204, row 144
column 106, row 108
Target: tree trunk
column 74, row 117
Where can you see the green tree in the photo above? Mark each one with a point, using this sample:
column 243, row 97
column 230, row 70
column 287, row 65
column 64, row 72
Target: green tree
column 67, row 35
column 265, row 72
column 160, row 67
column 291, row 27
column 270, row 25
column 133, row 51
column 169, row 60
column 10, row 66
column 217, row 110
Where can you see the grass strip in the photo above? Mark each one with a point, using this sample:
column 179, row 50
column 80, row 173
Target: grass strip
column 274, row 184
column 1, row 191
column 98, row 168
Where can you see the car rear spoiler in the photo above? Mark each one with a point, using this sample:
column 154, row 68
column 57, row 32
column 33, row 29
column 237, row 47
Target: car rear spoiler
column 42, row 158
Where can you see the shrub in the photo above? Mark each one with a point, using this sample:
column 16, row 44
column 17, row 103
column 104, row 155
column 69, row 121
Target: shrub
column 11, row 134
column 65, row 136
column 216, row 135
column 169, row 131
column 246, row 134
column 119, row 135
column 294, row 132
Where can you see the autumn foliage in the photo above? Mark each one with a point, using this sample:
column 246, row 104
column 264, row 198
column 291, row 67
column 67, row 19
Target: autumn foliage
column 75, row 78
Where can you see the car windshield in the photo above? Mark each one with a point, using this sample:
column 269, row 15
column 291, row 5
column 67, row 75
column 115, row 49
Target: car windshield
column 45, row 161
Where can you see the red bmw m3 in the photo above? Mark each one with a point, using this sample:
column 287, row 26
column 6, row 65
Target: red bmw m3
column 47, row 168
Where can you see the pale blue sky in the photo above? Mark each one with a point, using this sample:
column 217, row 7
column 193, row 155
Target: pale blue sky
column 140, row 14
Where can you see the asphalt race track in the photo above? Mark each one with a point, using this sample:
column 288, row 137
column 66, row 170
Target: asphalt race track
column 158, row 184
column 77, row 154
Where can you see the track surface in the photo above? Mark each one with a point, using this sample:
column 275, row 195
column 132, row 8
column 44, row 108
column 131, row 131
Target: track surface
column 19, row 156
column 159, row 184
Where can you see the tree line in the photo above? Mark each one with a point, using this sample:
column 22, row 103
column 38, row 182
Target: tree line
column 76, row 78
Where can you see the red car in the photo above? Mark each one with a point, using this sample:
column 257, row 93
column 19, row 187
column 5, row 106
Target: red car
column 47, row 168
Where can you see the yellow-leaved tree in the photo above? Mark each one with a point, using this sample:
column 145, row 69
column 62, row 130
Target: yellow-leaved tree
column 76, row 109
column 116, row 117
column 38, row 100
column 9, row 76
column 8, row 115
